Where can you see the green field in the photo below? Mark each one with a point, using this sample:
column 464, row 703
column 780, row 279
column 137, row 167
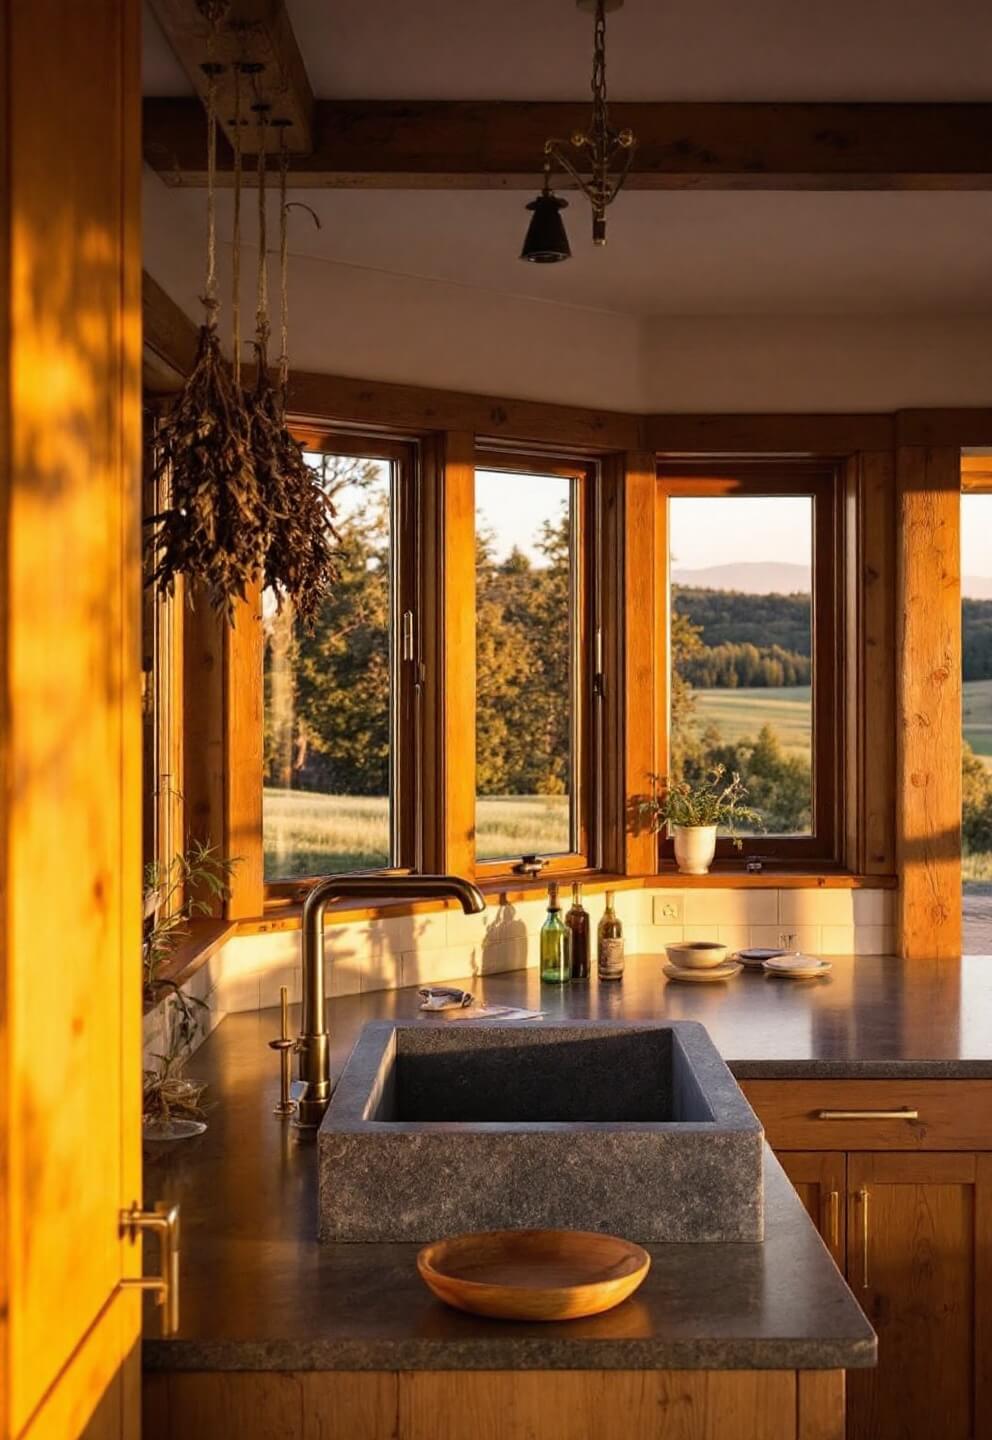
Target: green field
column 740, row 714
column 311, row 834
column 977, row 704
column 307, row 833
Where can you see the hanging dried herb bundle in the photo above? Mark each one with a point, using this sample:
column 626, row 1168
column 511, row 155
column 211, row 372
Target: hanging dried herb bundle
column 214, row 529
column 299, row 559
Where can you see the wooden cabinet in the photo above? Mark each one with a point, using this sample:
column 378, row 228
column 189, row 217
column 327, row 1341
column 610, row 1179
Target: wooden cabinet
column 919, row 1233
column 913, row 1234
column 820, row 1179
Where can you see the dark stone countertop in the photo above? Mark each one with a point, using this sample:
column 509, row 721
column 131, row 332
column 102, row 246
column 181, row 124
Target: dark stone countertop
column 260, row 1292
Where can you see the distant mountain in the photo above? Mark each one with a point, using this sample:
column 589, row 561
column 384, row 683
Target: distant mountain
column 750, row 577
column 775, row 577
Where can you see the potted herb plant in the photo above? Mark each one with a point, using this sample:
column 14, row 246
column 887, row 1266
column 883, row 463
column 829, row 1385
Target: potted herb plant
column 174, row 894
column 693, row 810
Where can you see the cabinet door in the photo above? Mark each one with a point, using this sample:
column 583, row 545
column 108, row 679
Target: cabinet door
column 919, row 1237
column 819, row 1179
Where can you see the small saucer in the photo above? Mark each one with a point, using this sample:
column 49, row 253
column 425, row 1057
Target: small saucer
column 796, row 967
column 726, row 971
column 754, row 959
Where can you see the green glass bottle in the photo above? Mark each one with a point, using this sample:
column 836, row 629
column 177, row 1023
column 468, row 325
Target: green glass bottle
column 556, row 944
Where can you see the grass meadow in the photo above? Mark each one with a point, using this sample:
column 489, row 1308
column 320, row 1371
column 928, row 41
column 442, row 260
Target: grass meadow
column 310, row 834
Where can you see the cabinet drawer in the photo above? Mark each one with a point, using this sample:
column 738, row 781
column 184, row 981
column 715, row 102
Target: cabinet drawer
column 866, row 1114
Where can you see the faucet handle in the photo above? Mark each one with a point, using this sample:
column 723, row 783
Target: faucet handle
column 285, row 1045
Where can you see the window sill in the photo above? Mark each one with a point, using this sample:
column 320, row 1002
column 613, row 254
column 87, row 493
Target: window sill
column 284, row 915
column 733, row 876
column 204, row 940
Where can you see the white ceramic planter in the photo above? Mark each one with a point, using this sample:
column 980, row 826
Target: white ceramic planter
column 695, row 846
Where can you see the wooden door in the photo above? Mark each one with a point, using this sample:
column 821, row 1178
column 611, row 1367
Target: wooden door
column 919, row 1246
column 819, row 1177
column 70, row 876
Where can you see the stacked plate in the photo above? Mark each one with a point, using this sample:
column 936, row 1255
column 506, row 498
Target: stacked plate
column 796, row 967
column 700, row 962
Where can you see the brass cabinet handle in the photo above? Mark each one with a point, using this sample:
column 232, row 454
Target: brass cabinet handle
column 863, row 1201
column 164, row 1221
column 832, row 1219
column 867, row 1114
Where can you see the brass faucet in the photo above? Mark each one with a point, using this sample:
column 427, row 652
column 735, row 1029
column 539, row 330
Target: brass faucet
column 313, row 1042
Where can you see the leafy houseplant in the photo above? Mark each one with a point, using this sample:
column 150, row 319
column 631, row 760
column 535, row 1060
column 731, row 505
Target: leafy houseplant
column 693, row 810
column 175, row 893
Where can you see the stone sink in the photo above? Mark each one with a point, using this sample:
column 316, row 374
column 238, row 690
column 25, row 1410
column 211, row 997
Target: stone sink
column 639, row 1129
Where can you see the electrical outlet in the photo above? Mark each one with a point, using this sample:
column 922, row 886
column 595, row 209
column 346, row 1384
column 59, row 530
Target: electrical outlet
column 667, row 910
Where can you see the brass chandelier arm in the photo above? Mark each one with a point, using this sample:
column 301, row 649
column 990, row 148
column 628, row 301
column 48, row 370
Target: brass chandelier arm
column 610, row 151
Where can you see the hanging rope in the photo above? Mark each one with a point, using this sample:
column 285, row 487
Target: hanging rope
column 283, row 268
column 262, row 295
column 236, row 233
column 210, row 301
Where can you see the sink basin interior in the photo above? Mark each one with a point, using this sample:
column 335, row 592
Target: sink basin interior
column 457, row 1076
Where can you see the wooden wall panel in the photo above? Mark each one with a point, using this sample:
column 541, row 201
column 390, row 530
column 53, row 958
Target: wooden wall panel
column 70, row 585
column 928, row 689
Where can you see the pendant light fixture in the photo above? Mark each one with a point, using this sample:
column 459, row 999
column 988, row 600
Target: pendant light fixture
column 610, row 152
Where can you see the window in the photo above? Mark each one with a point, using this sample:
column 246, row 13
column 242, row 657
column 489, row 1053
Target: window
column 976, row 657
column 338, row 725
column 753, row 616
column 533, row 626
column 161, row 693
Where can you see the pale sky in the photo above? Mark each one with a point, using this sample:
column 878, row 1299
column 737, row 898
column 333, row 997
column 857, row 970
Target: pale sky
column 976, row 535
column 516, row 506
column 726, row 529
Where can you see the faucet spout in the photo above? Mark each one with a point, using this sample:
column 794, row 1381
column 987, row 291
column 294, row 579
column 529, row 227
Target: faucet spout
column 313, row 1044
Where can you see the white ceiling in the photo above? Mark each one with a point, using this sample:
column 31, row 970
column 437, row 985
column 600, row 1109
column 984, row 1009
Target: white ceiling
column 761, row 262
column 696, row 253
column 658, row 49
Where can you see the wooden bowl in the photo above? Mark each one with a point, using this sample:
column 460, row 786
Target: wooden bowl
column 696, row 954
column 533, row 1274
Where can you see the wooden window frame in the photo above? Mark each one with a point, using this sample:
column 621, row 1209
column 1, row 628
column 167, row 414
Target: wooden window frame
column 162, row 686
column 407, row 841
column 587, row 723
column 824, row 481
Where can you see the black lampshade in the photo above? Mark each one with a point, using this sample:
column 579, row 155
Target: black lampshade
column 546, row 241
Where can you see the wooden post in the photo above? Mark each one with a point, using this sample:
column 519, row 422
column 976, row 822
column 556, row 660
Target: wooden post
column 642, row 655
column 224, row 742
column 448, row 754
column 928, row 690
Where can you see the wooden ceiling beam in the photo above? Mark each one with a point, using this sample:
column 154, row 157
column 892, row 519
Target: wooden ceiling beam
column 469, row 145
column 254, row 33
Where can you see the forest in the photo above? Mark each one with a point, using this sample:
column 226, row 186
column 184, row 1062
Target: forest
column 327, row 723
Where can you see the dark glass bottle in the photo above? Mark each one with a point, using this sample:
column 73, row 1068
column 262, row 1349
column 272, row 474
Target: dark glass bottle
column 577, row 921
column 610, row 943
column 556, row 944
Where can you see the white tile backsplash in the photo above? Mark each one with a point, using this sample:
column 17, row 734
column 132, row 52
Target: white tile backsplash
column 815, row 907
column 363, row 956
column 731, row 907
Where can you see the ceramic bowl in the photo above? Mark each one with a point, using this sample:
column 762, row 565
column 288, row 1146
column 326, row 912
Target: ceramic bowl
column 697, row 954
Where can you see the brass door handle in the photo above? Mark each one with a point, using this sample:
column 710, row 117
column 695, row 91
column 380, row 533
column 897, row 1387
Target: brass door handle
column 831, row 1220
column 164, row 1221
column 868, row 1115
column 863, row 1201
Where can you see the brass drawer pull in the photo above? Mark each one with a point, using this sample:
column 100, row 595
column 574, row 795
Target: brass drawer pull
column 868, row 1115
column 164, row 1220
column 863, row 1199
